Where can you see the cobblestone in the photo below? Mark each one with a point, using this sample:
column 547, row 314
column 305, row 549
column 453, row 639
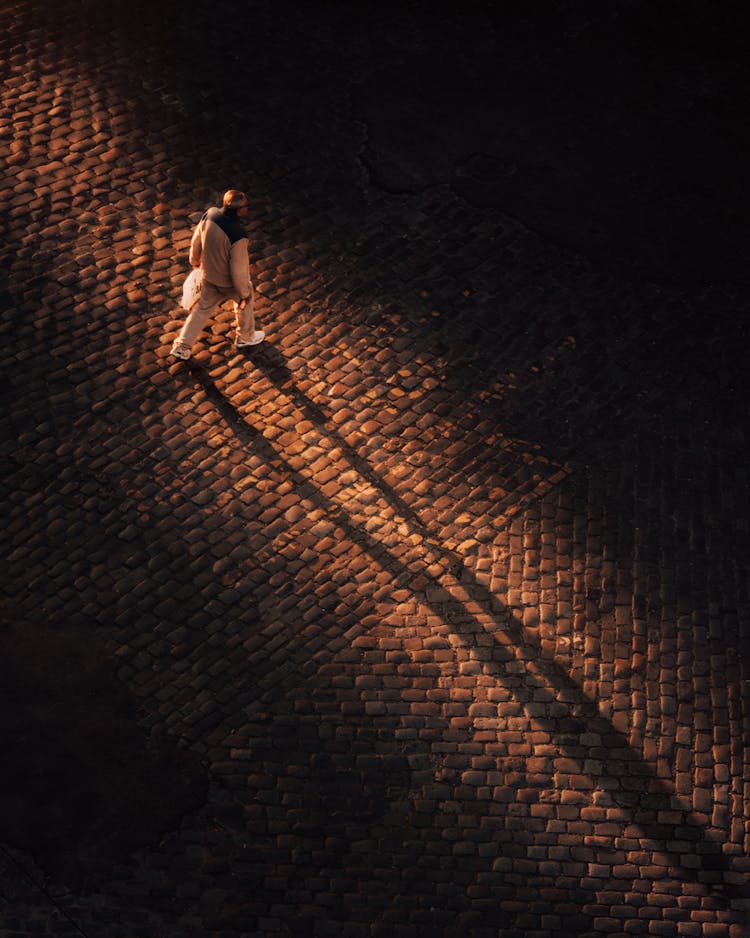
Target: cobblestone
column 445, row 584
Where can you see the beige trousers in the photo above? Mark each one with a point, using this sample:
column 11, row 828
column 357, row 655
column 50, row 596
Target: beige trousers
column 210, row 297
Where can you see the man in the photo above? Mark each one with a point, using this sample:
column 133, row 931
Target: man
column 219, row 246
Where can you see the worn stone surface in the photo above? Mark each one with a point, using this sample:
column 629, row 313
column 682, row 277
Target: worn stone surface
column 446, row 584
column 84, row 784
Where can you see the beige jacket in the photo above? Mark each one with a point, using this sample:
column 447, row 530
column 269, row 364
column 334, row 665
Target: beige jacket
column 219, row 245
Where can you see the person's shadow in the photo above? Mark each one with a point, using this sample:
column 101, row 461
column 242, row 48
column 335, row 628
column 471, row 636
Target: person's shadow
column 581, row 733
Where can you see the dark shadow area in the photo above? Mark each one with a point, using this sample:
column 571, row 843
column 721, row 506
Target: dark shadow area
column 371, row 817
column 616, row 132
column 83, row 785
column 580, row 733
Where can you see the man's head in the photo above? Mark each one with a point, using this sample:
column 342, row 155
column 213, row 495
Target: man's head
column 235, row 201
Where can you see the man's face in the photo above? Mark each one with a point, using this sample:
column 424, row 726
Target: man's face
column 243, row 211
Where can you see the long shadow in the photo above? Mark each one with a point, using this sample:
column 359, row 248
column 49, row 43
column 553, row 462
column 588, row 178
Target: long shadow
column 270, row 361
column 582, row 733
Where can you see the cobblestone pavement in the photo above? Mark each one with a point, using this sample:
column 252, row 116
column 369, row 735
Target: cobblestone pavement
column 430, row 615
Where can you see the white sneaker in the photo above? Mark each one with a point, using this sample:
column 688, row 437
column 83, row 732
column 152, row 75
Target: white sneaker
column 179, row 351
column 255, row 339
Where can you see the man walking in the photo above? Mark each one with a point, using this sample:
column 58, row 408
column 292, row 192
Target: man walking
column 219, row 246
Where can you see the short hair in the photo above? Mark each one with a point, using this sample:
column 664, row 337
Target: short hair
column 235, row 199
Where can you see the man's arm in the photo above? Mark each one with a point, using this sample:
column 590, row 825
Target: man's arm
column 239, row 268
column 196, row 246
column 248, row 300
